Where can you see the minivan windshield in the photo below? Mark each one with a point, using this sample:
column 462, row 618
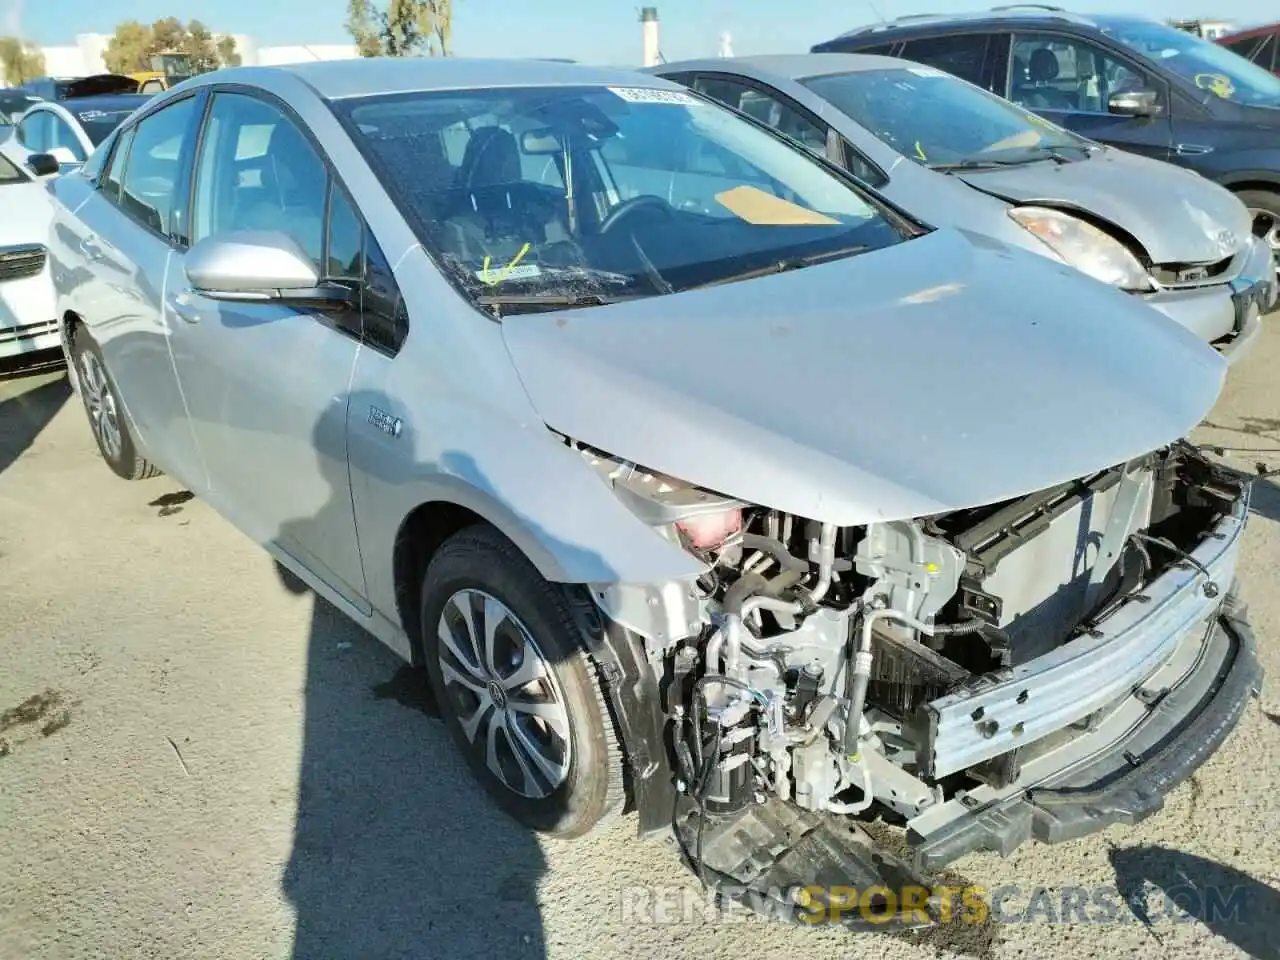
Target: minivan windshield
column 1213, row 68
column 938, row 120
column 537, row 197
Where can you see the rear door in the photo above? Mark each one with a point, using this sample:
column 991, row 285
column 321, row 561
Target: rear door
column 268, row 385
column 128, row 229
column 1069, row 80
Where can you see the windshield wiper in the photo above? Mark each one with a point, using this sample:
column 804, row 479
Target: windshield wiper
column 976, row 164
column 498, row 301
column 782, row 266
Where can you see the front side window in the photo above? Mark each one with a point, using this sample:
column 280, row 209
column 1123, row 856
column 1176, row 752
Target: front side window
column 1059, row 73
column 151, row 173
column 63, row 136
column 655, row 191
column 962, row 54
column 936, row 120
column 34, row 131
column 110, row 184
column 1211, row 67
column 769, row 110
column 258, row 171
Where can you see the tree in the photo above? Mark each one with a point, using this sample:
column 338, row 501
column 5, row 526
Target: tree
column 19, row 61
column 134, row 44
column 405, row 28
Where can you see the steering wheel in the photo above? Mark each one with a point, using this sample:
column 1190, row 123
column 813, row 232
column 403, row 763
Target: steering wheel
column 628, row 207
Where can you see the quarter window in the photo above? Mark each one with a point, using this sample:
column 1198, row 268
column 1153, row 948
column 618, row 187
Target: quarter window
column 345, row 257
column 257, row 171
column 152, row 170
column 115, row 170
column 1061, row 73
column 963, row 54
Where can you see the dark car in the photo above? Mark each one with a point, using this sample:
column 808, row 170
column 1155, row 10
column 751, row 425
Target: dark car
column 71, row 88
column 1258, row 44
column 1125, row 81
column 14, row 103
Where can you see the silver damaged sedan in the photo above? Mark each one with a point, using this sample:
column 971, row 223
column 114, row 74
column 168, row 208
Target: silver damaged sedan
column 703, row 485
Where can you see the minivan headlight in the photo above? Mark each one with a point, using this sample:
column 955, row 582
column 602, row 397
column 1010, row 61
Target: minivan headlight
column 1084, row 246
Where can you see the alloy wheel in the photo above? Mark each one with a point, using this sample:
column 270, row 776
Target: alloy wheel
column 101, row 404
column 502, row 690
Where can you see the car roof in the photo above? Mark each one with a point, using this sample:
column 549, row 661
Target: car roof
column 338, row 79
column 792, row 66
column 1011, row 14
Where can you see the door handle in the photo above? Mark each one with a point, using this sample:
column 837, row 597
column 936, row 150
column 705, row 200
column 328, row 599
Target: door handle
column 89, row 249
column 183, row 308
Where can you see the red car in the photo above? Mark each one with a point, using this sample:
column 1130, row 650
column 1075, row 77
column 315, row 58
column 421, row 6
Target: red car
column 1259, row 44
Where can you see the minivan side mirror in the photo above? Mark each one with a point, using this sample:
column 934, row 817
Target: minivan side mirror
column 1135, row 103
column 254, row 266
column 43, row 164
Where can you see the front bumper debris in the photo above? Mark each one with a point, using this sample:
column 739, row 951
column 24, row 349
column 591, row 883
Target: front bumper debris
column 1174, row 722
column 806, row 868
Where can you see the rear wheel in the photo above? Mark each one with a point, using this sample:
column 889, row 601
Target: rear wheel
column 106, row 415
column 516, row 687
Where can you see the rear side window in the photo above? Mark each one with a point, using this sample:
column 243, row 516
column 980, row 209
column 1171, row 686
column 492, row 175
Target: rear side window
column 964, row 55
column 151, row 172
column 756, row 103
column 879, row 50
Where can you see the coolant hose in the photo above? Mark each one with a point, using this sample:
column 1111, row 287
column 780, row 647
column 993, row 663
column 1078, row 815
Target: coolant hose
column 776, row 549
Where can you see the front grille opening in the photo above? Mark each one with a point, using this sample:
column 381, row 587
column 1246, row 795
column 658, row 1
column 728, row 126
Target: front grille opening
column 19, row 263
column 1190, row 274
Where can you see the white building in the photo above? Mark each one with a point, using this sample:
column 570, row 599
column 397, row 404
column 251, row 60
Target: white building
column 85, row 56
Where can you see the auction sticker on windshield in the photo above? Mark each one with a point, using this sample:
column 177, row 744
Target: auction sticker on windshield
column 650, row 95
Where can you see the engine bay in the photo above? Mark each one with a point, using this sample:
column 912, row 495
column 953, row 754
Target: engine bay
column 833, row 669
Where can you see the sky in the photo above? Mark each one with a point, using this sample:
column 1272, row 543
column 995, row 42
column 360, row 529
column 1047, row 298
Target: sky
column 601, row 31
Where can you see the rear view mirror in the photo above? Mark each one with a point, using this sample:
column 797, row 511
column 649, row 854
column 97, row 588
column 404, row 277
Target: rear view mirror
column 540, row 143
column 43, row 164
column 259, row 267
column 1135, row 103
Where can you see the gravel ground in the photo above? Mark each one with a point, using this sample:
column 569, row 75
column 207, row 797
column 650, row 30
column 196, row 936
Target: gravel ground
column 197, row 762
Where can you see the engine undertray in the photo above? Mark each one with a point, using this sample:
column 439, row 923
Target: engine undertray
column 792, row 864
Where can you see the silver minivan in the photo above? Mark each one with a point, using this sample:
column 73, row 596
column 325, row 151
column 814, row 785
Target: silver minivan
column 956, row 155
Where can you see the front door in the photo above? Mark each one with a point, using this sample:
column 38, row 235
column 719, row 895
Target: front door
column 1070, row 81
column 267, row 385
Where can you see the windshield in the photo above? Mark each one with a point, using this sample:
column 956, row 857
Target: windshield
column 939, row 120
column 1212, row 68
column 99, row 124
column 574, row 194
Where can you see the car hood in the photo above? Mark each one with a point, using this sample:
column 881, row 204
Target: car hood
column 27, row 213
column 1177, row 216
column 949, row 371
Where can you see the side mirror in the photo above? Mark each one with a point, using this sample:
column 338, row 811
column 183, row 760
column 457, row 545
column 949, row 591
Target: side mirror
column 43, row 164
column 1135, row 103
column 260, row 267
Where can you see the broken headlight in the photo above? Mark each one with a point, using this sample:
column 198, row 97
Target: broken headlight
column 697, row 518
column 1084, row 246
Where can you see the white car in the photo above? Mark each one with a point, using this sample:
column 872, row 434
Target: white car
column 70, row 130
column 28, row 321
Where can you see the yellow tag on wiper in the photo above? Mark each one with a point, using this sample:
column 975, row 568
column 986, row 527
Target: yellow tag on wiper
column 764, row 209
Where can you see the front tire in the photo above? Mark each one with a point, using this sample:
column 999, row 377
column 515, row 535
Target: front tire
column 517, row 689
column 1264, row 208
column 106, row 414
